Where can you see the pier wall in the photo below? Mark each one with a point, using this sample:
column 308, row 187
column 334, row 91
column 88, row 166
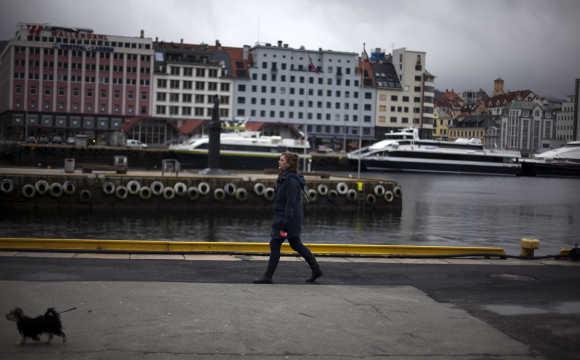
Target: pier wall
column 38, row 188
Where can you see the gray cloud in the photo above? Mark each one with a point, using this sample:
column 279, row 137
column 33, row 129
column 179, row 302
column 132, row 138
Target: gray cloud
column 531, row 44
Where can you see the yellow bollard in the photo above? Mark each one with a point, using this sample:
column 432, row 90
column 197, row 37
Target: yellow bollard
column 528, row 246
column 360, row 186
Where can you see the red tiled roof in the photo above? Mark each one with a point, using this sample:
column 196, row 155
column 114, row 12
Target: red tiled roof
column 130, row 122
column 254, row 125
column 188, row 126
column 503, row 99
column 449, row 98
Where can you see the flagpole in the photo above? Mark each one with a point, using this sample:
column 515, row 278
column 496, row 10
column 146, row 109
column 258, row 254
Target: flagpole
column 360, row 115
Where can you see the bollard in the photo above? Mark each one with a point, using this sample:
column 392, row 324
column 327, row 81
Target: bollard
column 120, row 164
column 528, row 246
column 69, row 165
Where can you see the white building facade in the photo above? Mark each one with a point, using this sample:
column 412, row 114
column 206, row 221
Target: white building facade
column 185, row 84
column 565, row 121
column 417, row 84
column 523, row 127
column 319, row 92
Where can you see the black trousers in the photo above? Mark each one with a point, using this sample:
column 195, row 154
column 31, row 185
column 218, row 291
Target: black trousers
column 296, row 245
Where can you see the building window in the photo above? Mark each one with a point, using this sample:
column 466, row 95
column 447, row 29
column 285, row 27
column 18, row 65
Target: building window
column 161, row 83
column 160, row 109
column 199, row 85
column 174, row 84
column 175, row 70
column 224, row 87
column 212, row 73
column 199, row 72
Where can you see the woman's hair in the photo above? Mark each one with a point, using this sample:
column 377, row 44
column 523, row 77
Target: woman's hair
column 292, row 160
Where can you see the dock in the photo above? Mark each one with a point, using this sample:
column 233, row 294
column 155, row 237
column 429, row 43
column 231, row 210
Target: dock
column 106, row 188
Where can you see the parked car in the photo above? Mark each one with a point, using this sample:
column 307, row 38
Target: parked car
column 57, row 139
column 134, row 143
column 43, row 140
column 70, row 140
column 31, row 140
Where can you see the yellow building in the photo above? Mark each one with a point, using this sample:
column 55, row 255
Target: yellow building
column 483, row 127
column 441, row 130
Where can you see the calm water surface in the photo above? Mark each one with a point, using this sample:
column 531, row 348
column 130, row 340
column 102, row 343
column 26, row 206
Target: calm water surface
column 437, row 210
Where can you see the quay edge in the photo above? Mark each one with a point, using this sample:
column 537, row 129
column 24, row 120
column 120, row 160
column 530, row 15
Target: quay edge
column 179, row 247
column 33, row 188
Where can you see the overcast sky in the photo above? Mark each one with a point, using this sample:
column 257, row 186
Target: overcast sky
column 531, row 44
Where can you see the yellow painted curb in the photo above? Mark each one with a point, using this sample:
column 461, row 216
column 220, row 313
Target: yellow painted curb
column 47, row 244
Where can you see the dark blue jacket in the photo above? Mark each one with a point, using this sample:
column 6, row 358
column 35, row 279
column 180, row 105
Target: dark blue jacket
column 288, row 211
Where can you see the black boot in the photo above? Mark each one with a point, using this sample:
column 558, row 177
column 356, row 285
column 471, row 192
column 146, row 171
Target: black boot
column 315, row 275
column 316, row 272
column 263, row 280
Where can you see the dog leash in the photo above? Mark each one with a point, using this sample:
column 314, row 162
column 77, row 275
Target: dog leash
column 67, row 310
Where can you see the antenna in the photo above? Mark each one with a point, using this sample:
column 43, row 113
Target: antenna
column 258, row 35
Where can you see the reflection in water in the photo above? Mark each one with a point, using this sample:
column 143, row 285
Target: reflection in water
column 437, row 210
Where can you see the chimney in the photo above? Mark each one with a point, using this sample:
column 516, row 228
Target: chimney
column 279, row 43
column 246, row 53
column 285, row 46
column 181, row 41
column 218, row 44
column 142, row 35
column 156, row 39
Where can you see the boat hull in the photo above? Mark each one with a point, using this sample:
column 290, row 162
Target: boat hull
column 537, row 168
column 438, row 166
column 230, row 160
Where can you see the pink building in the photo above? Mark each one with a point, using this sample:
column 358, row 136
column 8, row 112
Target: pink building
column 57, row 81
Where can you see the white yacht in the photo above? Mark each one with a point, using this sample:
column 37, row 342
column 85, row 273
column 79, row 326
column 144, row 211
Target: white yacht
column 243, row 150
column 560, row 162
column 405, row 151
column 568, row 153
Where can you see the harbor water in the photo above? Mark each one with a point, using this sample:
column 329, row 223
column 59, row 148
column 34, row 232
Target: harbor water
column 458, row 210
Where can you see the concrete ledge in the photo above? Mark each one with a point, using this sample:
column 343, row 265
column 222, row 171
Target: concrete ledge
column 140, row 246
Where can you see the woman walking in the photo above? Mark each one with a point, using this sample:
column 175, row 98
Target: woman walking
column 288, row 217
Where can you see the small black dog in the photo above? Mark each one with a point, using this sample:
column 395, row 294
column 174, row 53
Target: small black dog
column 49, row 323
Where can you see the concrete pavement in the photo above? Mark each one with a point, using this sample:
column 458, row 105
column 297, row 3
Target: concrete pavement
column 207, row 308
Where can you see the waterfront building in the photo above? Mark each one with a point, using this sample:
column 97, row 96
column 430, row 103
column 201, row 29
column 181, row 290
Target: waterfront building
column 417, row 82
column 61, row 81
column 472, row 97
column 523, row 127
column 485, row 127
column 442, row 120
column 321, row 92
column 577, row 110
column 496, row 103
column 186, row 79
column 449, row 102
column 405, row 92
column 565, row 121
